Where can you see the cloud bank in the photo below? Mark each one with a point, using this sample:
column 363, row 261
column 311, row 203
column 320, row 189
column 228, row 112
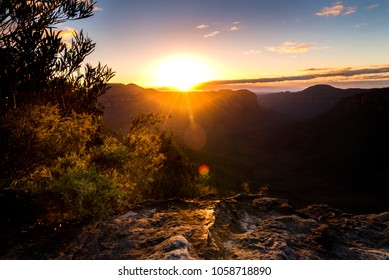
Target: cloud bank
column 311, row 74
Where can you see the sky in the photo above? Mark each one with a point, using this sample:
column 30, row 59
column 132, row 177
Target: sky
column 255, row 44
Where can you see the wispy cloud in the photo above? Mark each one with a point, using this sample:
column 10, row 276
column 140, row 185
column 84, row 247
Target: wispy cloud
column 201, row 26
column 313, row 73
column 362, row 25
column 235, row 26
column 212, row 34
column 292, row 47
column 350, row 10
column 336, row 9
column 251, row 52
column 97, row 9
column 374, row 6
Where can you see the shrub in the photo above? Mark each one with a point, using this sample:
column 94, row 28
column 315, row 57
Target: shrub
column 77, row 194
column 70, row 177
column 70, row 189
column 143, row 141
column 36, row 135
column 178, row 175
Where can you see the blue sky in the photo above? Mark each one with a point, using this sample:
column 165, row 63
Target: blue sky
column 244, row 39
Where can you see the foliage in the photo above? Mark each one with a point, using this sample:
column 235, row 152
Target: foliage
column 143, row 140
column 49, row 114
column 37, row 66
column 264, row 190
column 65, row 176
column 72, row 190
column 36, row 135
column 178, row 176
column 246, row 187
column 55, row 166
column 148, row 163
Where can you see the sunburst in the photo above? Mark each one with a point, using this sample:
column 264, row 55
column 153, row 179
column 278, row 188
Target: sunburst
column 182, row 73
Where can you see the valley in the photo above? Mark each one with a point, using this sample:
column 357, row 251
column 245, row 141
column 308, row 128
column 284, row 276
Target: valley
column 331, row 148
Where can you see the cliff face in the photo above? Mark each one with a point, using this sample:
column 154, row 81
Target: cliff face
column 240, row 227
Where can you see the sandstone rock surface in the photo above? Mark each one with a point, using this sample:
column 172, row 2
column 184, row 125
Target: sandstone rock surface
column 240, row 227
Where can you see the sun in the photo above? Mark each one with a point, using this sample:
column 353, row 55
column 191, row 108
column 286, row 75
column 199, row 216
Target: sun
column 182, row 73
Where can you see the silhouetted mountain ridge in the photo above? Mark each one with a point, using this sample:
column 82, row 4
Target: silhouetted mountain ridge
column 220, row 111
column 307, row 103
column 321, row 89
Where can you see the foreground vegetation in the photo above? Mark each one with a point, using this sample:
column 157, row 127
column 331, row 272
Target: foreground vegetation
column 63, row 169
column 56, row 166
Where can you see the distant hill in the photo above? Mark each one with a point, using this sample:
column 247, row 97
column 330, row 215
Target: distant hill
column 347, row 145
column 307, row 103
column 121, row 102
column 217, row 112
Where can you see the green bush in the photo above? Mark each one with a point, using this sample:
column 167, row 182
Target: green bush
column 178, row 175
column 49, row 117
column 36, row 135
column 70, row 177
column 144, row 144
column 71, row 189
column 82, row 193
column 76, row 193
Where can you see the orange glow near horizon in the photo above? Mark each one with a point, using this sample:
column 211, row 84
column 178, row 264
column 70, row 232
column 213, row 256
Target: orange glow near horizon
column 182, row 73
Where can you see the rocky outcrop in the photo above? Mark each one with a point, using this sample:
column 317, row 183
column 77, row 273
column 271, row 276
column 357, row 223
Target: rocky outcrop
column 240, row 227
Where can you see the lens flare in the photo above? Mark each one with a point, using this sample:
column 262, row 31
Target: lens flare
column 195, row 137
column 203, row 170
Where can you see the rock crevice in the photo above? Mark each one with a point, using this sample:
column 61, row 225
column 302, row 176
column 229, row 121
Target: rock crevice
column 241, row 227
